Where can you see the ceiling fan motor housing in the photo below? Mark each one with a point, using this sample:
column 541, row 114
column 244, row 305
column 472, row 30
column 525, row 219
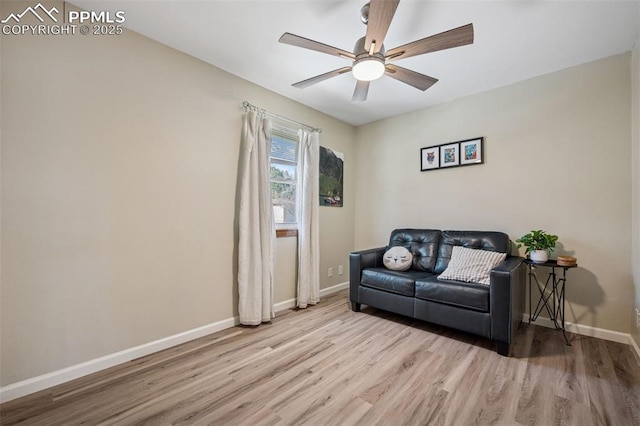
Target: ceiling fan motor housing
column 359, row 49
column 367, row 67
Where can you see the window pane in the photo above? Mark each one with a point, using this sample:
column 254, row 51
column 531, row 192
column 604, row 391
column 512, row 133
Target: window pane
column 283, row 172
column 283, row 149
column 284, row 202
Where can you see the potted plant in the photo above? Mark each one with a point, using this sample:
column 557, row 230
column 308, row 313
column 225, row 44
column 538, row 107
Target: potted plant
column 538, row 244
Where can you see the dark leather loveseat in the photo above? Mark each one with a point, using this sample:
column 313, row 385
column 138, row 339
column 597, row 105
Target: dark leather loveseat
column 493, row 311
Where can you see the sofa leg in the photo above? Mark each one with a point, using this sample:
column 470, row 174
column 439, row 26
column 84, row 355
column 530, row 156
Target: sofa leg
column 502, row 348
column 355, row 307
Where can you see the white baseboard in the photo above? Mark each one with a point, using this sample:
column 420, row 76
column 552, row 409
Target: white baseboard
column 45, row 381
column 35, row 384
column 283, row 306
column 584, row 330
column 291, row 303
column 333, row 289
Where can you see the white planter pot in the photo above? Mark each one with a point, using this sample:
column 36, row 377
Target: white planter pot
column 539, row 256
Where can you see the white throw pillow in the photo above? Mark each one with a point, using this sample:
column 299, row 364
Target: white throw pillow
column 471, row 265
column 397, row 258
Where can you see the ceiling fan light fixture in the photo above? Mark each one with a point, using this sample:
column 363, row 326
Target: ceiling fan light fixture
column 368, row 69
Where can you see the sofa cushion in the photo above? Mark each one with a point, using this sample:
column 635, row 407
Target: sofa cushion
column 392, row 281
column 397, row 258
column 485, row 240
column 471, row 265
column 456, row 293
column 422, row 243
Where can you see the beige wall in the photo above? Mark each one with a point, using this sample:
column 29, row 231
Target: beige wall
column 557, row 151
column 635, row 161
column 284, row 275
column 119, row 163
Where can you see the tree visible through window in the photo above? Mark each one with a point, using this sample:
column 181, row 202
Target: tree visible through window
column 284, row 173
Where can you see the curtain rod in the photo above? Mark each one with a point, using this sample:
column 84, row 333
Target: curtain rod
column 247, row 106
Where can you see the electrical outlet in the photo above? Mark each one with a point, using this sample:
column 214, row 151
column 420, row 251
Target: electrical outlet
column 340, row 270
column 330, row 272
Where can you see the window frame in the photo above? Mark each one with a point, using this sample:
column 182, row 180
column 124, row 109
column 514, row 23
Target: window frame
column 290, row 133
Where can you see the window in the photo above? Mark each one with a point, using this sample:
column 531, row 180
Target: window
column 284, row 173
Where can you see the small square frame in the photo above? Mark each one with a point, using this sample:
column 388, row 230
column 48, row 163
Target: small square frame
column 430, row 158
column 471, row 151
column 450, row 155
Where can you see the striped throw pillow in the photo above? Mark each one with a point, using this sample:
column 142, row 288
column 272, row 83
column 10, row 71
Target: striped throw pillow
column 471, row 265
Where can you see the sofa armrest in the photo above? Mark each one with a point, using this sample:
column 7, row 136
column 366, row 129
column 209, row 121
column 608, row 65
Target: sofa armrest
column 359, row 260
column 508, row 281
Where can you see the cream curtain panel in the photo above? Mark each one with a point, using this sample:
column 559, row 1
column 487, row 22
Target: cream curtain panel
column 257, row 233
column 308, row 221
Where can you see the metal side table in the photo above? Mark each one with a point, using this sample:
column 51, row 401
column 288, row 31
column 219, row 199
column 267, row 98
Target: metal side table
column 552, row 295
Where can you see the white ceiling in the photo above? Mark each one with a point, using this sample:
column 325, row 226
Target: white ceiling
column 514, row 40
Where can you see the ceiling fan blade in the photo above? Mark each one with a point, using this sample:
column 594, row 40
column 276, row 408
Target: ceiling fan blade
column 361, row 92
column 456, row 37
column 294, row 40
column 380, row 15
column 322, row 77
column 412, row 78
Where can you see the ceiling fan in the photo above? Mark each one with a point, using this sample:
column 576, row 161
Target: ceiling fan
column 370, row 59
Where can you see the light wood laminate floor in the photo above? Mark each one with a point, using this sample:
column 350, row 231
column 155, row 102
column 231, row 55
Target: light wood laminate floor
column 327, row 365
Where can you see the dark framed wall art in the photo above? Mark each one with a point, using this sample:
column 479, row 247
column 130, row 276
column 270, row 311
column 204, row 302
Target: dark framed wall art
column 430, row 158
column 454, row 154
column 331, row 179
column 450, row 155
column 471, row 151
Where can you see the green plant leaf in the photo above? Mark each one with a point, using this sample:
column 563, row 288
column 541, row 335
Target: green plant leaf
column 537, row 240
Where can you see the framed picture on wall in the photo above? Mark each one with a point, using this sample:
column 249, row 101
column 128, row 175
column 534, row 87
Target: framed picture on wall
column 450, row 155
column 429, row 158
column 331, row 179
column 471, row 151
